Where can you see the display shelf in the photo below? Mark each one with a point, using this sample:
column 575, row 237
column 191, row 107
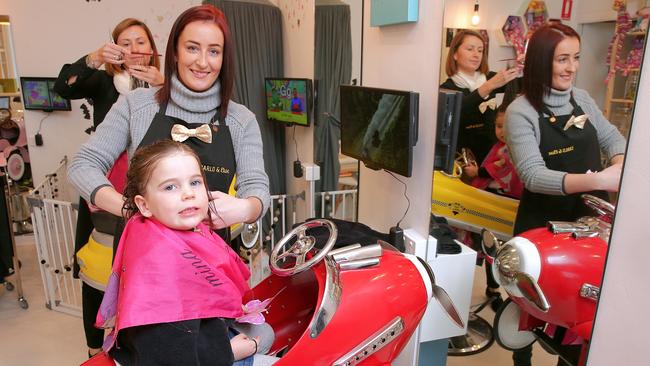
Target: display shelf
column 624, row 101
column 621, row 86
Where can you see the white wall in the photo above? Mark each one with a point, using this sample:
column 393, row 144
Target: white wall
column 298, row 41
column 48, row 34
column 620, row 331
column 403, row 57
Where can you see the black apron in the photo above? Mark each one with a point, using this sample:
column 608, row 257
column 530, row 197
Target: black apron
column 573, row 151
column 217, row 158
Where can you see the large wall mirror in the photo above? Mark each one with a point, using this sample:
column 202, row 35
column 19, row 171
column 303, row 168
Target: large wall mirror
column 337, row 61
column 466, row 205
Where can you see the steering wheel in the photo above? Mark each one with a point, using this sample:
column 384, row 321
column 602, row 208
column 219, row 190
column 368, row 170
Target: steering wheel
column 464, row 158
column 304, row 244
column 602, row 207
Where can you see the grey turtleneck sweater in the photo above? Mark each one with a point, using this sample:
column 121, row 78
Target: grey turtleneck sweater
column 130, row 117
column 523, row 138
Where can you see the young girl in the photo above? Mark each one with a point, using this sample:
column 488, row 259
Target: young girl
column 497, row 173
column 176, row 286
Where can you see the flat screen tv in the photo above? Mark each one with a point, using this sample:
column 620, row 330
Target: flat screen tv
column 379, row 127
column 38, row 95
column 449, row 105
column 288, row 100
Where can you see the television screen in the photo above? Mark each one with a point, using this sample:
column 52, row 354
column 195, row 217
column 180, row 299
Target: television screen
column 379, row 127
column 288, row 100
column 4, row 102
column 38, row 95
column 449, row 105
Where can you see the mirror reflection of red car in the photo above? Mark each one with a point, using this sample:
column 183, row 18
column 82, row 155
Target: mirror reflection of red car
column 553, row 277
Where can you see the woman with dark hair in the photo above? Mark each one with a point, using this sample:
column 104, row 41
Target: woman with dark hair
column 468, row 71
column 193, row 106
column 556, row 133
column 130, row 60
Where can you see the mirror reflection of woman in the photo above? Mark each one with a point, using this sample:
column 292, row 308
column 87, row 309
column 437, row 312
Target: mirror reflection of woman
column 556, row 133
column 468, row 72
column 130, row 60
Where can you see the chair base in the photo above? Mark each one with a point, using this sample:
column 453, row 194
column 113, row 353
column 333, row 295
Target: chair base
column 479, row 337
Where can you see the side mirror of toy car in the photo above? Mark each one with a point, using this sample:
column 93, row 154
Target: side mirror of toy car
column 490, row 244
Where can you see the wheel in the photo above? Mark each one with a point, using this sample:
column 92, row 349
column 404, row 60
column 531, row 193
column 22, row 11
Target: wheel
column 506, row 328
column 303, row 244
column 23, row 303
column 9, row 286
column 15, row 166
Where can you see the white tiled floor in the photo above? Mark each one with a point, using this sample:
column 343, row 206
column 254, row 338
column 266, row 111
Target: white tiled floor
column 38, row 336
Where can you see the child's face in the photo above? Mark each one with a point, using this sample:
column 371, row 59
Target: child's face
column 498, row 127
column 175, row 194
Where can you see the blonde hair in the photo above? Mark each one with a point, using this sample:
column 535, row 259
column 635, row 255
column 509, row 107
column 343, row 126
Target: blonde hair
column 121, row 27
column 451, row 68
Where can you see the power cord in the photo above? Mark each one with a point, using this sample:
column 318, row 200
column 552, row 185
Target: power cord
column 297, row 165
column 396, row 233
column 405, row 195
column 38, row 138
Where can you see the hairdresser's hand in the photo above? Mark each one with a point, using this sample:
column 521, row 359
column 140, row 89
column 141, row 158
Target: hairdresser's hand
column 109, row 53
column 242, row 346
column 149, row 74
column 609, row 178
column 503, row 77
column 226, row 210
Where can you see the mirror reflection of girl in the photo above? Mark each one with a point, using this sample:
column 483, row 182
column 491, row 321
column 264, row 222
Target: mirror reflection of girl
column 497, row 174
column 176, row 286
column 556, row 134
column 123, row 71
column 468, row 72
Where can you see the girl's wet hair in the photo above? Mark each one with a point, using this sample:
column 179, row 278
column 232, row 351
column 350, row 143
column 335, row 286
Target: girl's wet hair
column 141, row 168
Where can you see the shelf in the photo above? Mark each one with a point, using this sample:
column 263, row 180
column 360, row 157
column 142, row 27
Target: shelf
column 624, row 101
column 636, row 33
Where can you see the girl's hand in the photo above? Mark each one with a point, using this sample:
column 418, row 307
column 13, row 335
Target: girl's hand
column 471, row 170
column 242, row 346
column 149, row 74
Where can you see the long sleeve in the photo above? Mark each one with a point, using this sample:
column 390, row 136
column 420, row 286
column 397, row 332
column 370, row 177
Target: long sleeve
column 87, row 170
column 522, row 137
column 95, row 85
column 252, row 180
column 609, row 138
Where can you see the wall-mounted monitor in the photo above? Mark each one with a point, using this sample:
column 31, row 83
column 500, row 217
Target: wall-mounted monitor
column 38, row 95
column 379, row 127
column 288, row 100
column 449, row 104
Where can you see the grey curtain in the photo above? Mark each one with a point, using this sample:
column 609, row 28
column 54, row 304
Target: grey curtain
column 256, row 27
column 333, row 67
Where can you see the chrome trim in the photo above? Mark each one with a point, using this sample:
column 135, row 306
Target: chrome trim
column 331, row 299
column 358, row 263
column 343, row 249
column 508, row 262
column 367, row 252
column 584, row 227
column 590, row 292
column 372, row 344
